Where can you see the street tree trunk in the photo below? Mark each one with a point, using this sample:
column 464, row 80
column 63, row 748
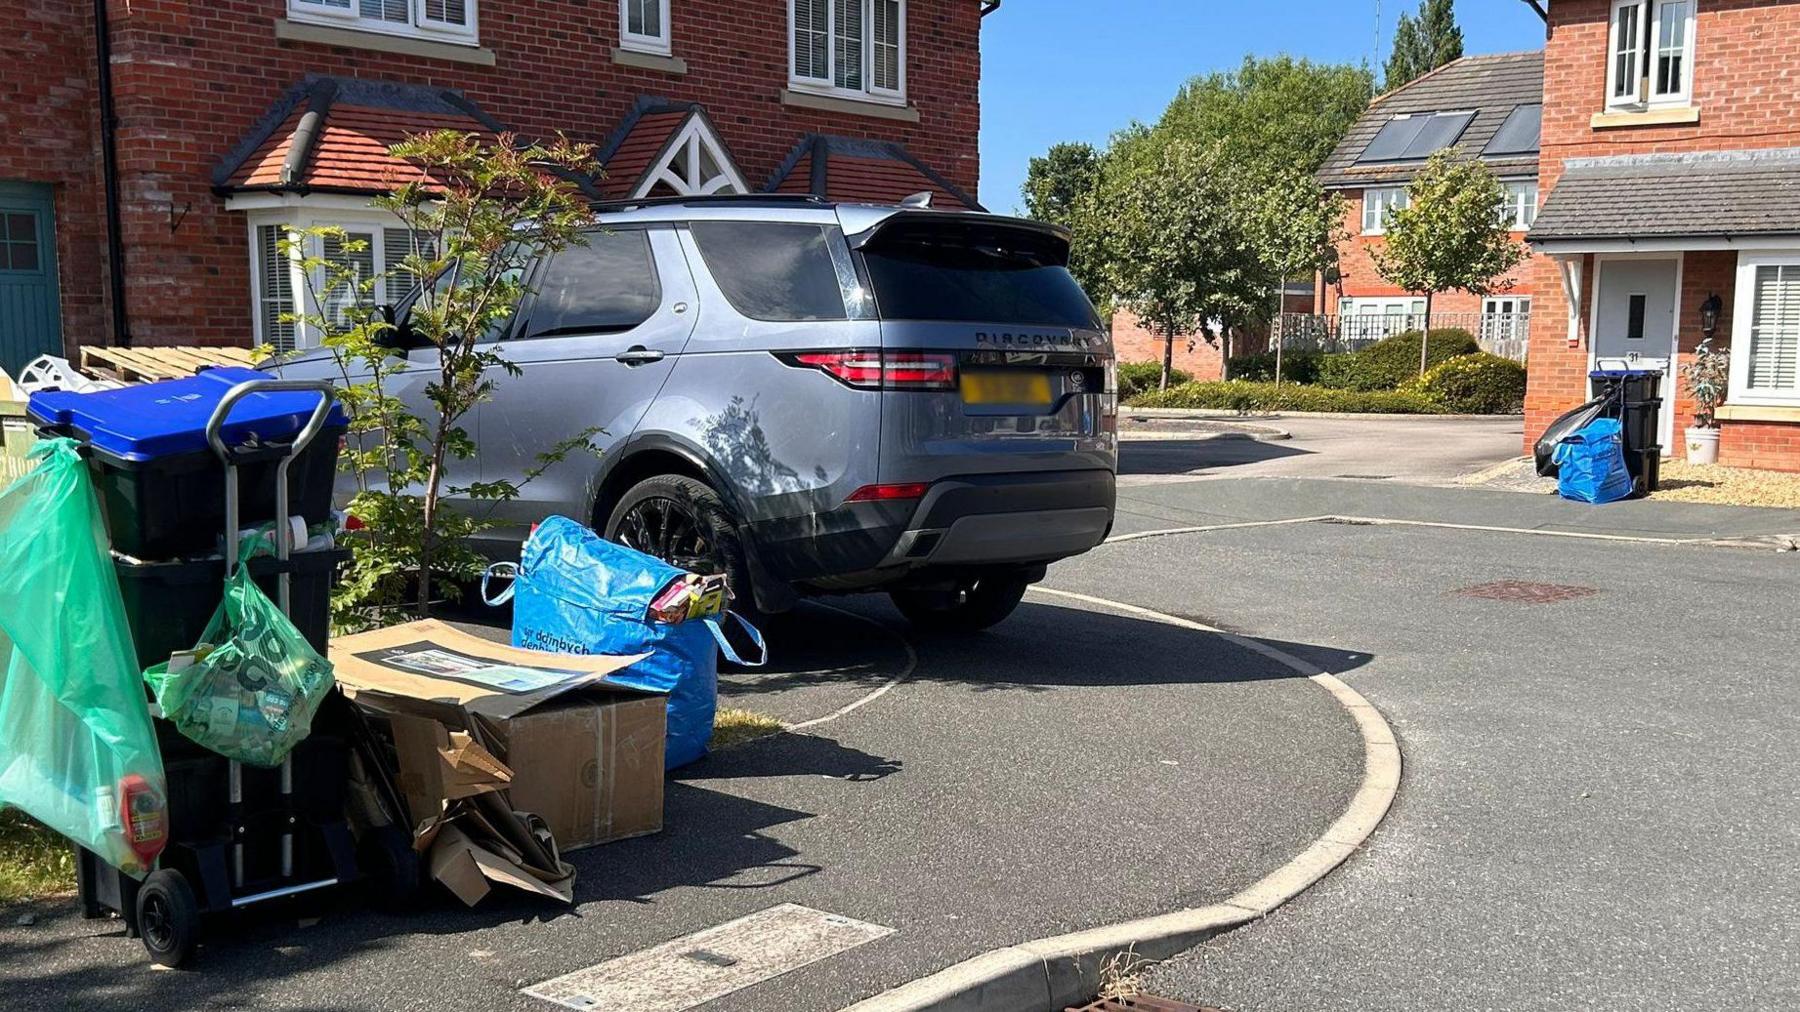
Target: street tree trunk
column 1168, row 361
column 1425, row 335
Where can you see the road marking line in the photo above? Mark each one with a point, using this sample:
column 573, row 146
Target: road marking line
column 692, row 970
column 1386, row 522
column 912, row 663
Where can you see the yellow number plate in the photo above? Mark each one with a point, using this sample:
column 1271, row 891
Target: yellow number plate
column 1006, row 387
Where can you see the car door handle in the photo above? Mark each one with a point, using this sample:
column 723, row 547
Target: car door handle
column 638, row 355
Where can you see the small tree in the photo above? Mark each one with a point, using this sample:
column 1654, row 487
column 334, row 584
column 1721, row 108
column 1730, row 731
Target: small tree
column 1169, row 244
column 1058, row 185
column 1451, row 236
column 1297, row 228
column 479, row 212
column 1706, row 377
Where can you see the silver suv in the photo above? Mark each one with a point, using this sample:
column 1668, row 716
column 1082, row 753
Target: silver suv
column 812, row 398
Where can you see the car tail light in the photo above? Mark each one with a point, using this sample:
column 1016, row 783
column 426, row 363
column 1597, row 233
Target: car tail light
column 884, row 370
column 1109, row 404
column 890, row 493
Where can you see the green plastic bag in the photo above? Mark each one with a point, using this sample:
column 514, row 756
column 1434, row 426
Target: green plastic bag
column 253, row 685
column 77, row 748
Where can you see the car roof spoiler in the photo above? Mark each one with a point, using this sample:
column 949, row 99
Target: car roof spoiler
column 863, row 222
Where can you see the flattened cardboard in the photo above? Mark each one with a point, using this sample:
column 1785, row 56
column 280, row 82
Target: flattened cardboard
column 438, row 663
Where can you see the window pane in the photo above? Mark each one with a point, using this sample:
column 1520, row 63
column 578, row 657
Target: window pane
column 812, row 25
column 772, row 271
column 1626, row 40
column 1775, row 330
column 24, row 256
column 359, row 265
column 21, row 227
column 886, row 33
column 275, row 289
column 395, row 11
column 1634, row 318
column 847, row 43
column 398, row 244
column 607, row 286
column 449, row 12
column 976, row 274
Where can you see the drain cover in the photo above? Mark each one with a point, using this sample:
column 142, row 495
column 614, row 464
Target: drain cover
column 1142, row 1003
column 1526, row 592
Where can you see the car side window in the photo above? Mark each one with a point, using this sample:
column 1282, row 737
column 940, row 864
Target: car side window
column 773, row 271
column 607, row 286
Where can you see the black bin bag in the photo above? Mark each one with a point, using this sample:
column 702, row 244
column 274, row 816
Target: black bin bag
column 1566, row 425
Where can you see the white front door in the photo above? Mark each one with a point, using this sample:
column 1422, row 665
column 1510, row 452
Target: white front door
column 1634, row 323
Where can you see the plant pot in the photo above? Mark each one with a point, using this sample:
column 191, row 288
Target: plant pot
column 1702, row 446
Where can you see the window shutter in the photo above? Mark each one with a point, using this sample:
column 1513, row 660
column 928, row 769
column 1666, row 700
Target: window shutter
column 847, row 43
column 885, row 32
column 274, row 288
column 1775, row 329
column 396, row 245
column 812, row 28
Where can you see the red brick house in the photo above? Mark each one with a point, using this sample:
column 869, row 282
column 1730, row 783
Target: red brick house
column 1486, row 106
column 1671, row 160
column 173, row 138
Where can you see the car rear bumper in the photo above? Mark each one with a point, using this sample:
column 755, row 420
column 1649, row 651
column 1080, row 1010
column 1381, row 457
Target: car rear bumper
column 967, row 521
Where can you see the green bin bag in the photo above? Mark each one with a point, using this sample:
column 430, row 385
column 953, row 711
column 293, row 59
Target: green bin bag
column 251, row 694
column 77, row 749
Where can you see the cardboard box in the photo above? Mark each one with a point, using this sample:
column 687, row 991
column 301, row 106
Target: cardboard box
column 581, row 753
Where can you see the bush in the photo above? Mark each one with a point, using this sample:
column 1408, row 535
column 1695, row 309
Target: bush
column 1296, row 367
column 1247, row 397
column 1394, row 360
column 1140, row 377
column 1479, row 384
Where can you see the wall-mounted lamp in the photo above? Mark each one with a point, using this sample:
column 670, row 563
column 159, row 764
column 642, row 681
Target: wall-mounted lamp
column 1709, row 314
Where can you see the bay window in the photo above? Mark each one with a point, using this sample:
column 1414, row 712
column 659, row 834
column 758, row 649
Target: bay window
column 441, row 20
column 856, row 48
column 1650, row 53
column 1765, row 340
column 281, row 287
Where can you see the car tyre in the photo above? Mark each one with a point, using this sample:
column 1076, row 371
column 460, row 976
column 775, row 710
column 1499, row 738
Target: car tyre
column 973, row 605
column 700, row 534
column 168, row 917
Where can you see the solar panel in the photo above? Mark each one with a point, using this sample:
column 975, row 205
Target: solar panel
column 1519, row 134
column 1406, row 138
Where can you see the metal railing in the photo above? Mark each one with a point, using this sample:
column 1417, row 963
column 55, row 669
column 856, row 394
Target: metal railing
column 1503, row 334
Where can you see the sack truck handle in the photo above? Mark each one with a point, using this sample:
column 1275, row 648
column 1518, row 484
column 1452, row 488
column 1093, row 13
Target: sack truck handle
column 215, row 437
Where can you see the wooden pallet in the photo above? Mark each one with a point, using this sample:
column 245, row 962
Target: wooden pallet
column 147, row 365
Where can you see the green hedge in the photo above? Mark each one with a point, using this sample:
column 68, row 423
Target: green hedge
column 1392, row 361
column 1140, row 377
column 1247, row 397
column 1296, row 367
column 1479, row 384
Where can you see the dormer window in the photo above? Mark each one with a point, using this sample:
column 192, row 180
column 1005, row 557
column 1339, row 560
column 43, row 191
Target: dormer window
column 1650, row 54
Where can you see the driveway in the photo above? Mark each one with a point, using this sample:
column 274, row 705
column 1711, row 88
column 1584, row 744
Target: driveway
column 968, row 794
column 1424, row 449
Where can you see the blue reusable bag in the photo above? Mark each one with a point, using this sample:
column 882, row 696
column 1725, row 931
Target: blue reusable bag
column 1591, row 463
column 577, row 593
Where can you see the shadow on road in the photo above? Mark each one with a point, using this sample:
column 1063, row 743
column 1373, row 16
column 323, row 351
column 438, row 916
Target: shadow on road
column 1183, row 456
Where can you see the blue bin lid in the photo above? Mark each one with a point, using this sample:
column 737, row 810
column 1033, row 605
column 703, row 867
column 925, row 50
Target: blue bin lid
column 151, row 420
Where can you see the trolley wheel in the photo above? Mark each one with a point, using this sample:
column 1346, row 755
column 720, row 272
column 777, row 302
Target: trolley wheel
column 395, row 874
column 168, row 918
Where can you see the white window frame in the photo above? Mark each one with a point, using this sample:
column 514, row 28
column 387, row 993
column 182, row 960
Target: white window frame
column 827, row 84
column 296, row 218
column 660, row 45
column 1738, row 390
column 419, row 26
column 1381, row 199
column 1645, row 51
column 1520, row 210
column 1499, row 323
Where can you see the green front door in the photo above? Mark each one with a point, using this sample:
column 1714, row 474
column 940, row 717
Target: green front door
column 30, row 321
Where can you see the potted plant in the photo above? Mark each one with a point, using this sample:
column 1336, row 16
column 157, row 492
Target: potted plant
column 1704, row 378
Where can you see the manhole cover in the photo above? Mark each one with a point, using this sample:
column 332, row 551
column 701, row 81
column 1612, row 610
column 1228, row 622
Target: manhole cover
column 1526, row 592
column 1142, row 1003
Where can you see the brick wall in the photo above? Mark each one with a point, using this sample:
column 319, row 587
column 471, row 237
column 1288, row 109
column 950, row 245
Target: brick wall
column 190, row 79
column 1744, row 52
column 48, row 128
column 1194, row 353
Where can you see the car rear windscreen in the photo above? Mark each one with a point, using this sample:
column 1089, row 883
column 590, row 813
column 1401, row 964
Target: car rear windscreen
column 977, row 273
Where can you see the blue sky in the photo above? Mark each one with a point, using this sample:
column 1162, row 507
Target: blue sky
column 1056, row 70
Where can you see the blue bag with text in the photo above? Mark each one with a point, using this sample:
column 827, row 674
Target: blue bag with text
column 1591, row 463
column 577, row 593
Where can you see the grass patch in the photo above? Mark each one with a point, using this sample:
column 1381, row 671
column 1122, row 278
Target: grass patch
column 732, row 726
column 34, row 861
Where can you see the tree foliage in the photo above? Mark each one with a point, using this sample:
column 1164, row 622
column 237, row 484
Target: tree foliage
column 1271, row 115
column 479, row 212
column 1423, row 43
